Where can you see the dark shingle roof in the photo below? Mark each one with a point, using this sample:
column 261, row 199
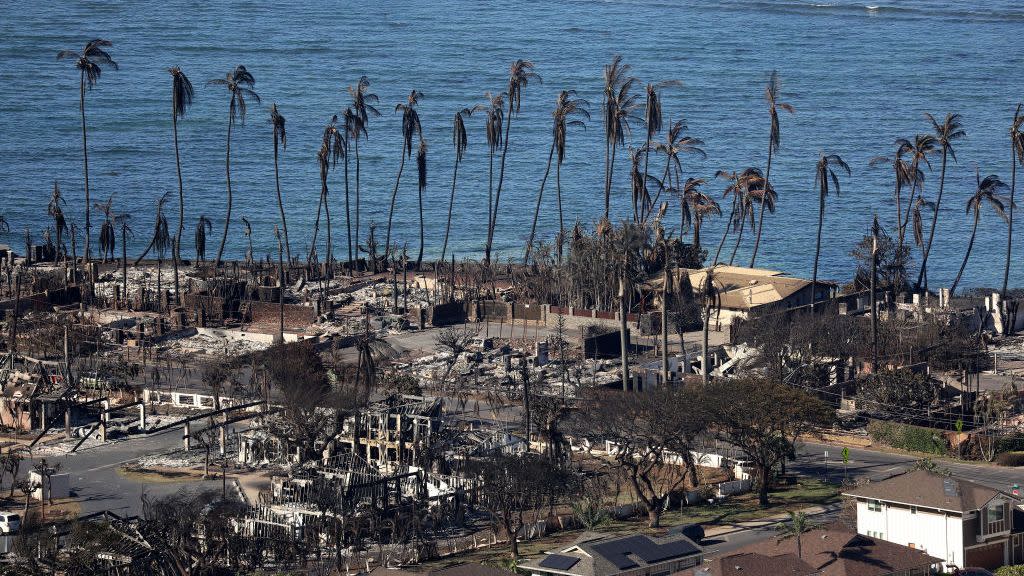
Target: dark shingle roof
column 928, row 490
column 600, row 556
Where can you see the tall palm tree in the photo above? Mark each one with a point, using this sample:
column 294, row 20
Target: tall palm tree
column 182, row 94
column 917, row 216
column 676, row 143
column 332, row 148
column 771, row 95
column 918, row 151
column 90, row 63
column 352, row 125
column 421, row 173
column 277, row 120
column 56, row 211
column 410, row 127
column 363, row 106
column 567, row 107
column 1016, row 157
column 652, row 121
column 121, row 221
column 160, row 242
column 239, row 83
column 945, row 134
column 618, row 107
column 203, row 228
column 825, row 180
column 798, row 524
column 709, row 294
column 733, row 190
column 989, row 191
column 460, row 141
column 519, row 76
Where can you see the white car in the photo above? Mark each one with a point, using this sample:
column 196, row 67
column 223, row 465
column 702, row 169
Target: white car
column 9, row 522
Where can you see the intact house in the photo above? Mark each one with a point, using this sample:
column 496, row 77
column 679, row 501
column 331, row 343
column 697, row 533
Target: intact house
column 596, row 554
column 964, row 523
column 827, row 551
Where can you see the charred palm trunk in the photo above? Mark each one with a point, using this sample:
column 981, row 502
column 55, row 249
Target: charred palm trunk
column 85, row 166
column 760, row 218
column 967, row 255
column 817, row 250
column 356, row 148
column 497, row 192
column 624, row 332
column 536, row 212
column 280, row 202
column 705, row 366
column 922, row 276
column 561, row 221
column 725, row 233
column 739, row 237
column 394, row 196
column 227, row 168
column 348, row 214
column 181, row 205
column 607, row 178
column 124, row 262
column 451, row 205
column 1009, row 221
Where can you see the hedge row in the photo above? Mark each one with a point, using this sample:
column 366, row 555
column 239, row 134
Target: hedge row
column 908, row 437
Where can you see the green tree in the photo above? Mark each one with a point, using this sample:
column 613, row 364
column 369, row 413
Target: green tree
column 239, row 83
column 90, row 63
column 798, row 524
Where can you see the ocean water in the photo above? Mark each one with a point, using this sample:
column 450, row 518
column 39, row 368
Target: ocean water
column 858, row 75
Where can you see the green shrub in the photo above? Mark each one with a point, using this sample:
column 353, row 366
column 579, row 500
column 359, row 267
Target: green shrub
column 1010, row 459
column 1010, row 571
column 908, row 437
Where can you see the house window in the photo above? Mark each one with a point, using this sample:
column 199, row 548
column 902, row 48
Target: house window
column 995, row 512
column 913, row 509
column 875, row 534
column 874, row 506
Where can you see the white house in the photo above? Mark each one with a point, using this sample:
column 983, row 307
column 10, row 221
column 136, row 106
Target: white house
column 964, row 523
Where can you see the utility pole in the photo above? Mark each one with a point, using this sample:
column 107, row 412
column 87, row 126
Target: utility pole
column 874, row 302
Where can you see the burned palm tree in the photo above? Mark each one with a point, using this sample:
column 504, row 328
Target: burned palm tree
column 182, row 94
column 332, row 149
column 826, row 181
column 350, row 125
column 410, row 128
column 652, row 121
column 90, row 63
column 618, row 108
column 904, row 175
column 56, row 211
column 239, row 83
column 363, row 102
column 709, row 294
column 494, row 122
column 676, row 143
column 988, row 191
column 917, row 217
column 1016, row 157
column 160, row 242
column 949, row 131
column 918, row 152
column 277, row 120
column 694, row 207
column 248, row 237
column 567, row 108
column 203, row 228
column 108, row 235
column 460, row 141
column 519, row 76
column 771, row 95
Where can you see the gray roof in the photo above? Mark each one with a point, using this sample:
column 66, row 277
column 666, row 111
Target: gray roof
column 598, row 555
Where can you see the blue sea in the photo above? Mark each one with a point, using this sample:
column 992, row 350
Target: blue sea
column 859, row 75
